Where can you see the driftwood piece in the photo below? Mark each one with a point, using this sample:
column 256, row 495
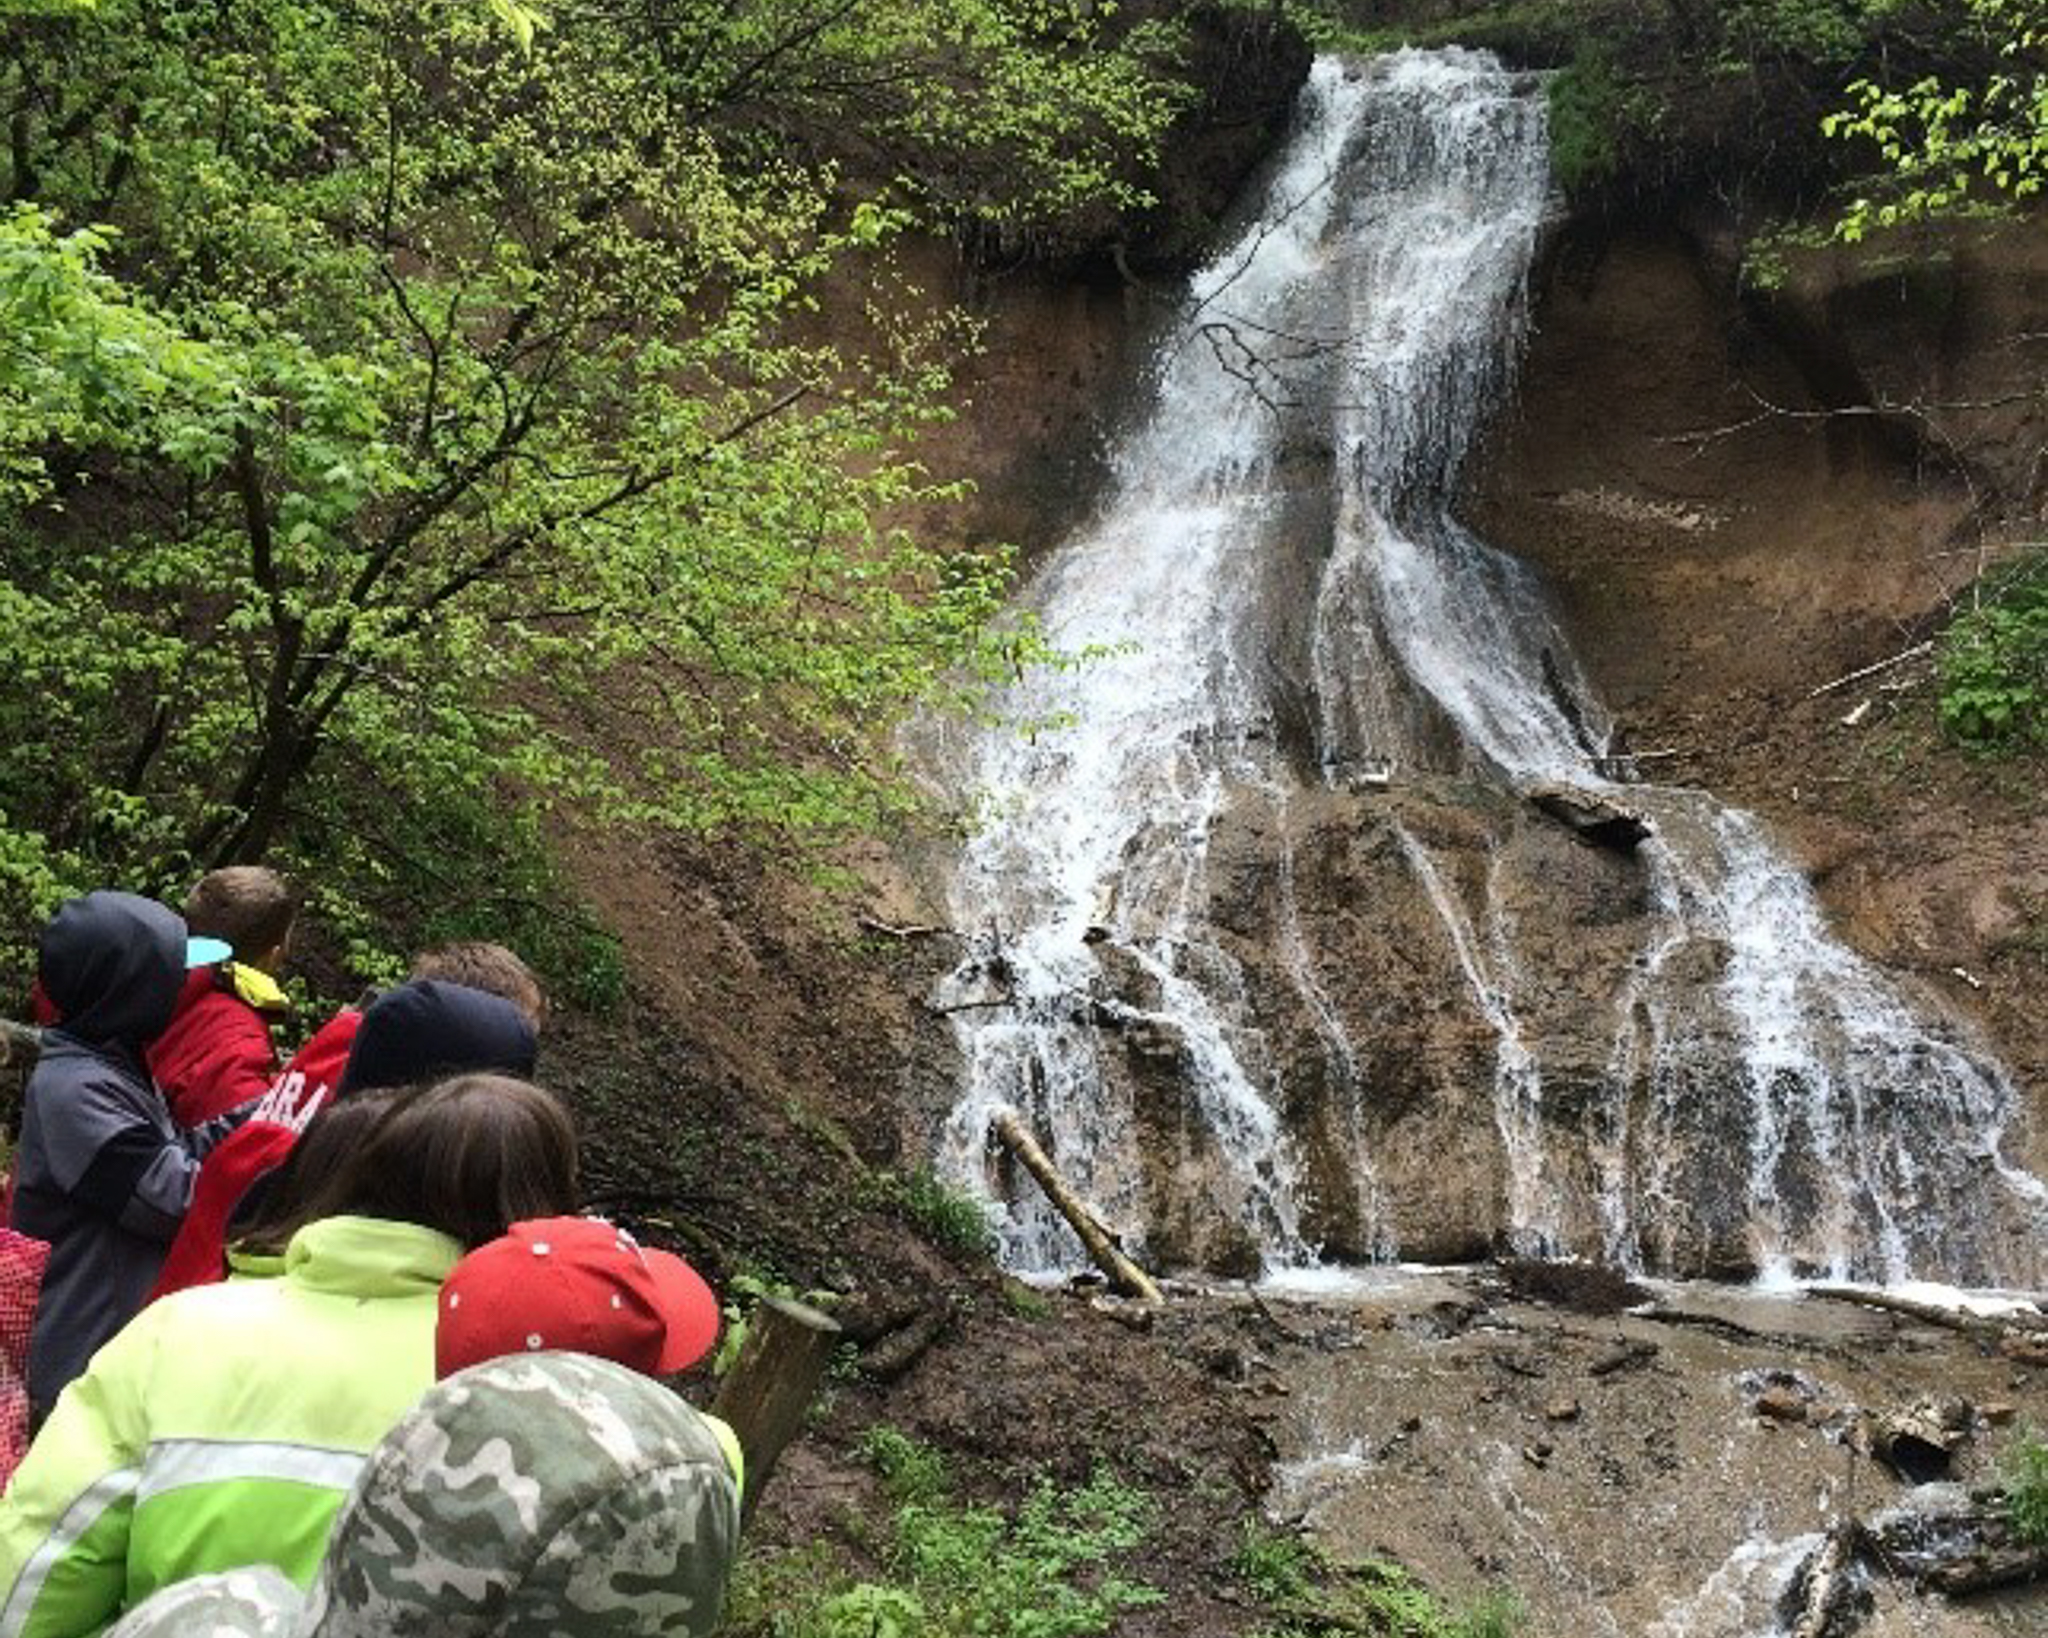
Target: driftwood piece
column 1822, row 1600
column 1993, row 1326
column 769, row 1388
column 894, row 1353
column 918, row 929
column 1861, row 672
column 1121, row 1272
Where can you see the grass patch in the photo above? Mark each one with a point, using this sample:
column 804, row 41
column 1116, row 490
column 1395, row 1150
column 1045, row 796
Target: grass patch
column 1310, row 1597
column 1051, row 1569
column 950, row 1218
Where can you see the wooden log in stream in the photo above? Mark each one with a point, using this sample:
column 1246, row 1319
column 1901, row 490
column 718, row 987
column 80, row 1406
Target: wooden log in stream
column 1120, row 1271
column 769, row 1388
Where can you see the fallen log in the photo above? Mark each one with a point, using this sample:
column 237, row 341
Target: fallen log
column 768, row 1390
column 1120, row 1271
column 892, row 1355
column 1992, row 1326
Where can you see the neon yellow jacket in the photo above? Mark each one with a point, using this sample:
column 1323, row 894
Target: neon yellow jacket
column 222, row 1427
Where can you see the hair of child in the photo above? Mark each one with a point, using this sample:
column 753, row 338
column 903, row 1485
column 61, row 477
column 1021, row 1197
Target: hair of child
column 469, row 1156
column 252, row 907
column 322, row 1151
column 485, row 966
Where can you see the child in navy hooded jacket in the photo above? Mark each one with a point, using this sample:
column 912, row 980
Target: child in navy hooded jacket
column 103, row 1173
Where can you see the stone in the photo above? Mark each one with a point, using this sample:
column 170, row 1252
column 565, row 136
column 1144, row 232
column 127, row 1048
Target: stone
column 1561, row 1410
column 1781, row 1404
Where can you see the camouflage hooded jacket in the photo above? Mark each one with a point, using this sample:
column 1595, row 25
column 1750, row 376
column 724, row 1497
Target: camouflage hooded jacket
column 537, row 1496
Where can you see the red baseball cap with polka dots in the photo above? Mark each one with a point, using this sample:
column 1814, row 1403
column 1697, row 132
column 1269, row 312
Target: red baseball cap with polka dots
column 579, row 1284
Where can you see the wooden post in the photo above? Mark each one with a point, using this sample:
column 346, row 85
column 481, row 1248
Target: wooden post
column 1121, row 1272
column 766, row 1393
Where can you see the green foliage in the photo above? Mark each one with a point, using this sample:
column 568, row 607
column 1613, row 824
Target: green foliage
column 910, row 1472
column 1313, row 1598
column 1026, row 1303
column 1589, row 107
column 1946, row 145
column 950, row 1218
column 1280, row 1568
column 1994, row 662
column 2023, row 1486
column 1825, row 33
column 439, row 419
column 1048, row 1571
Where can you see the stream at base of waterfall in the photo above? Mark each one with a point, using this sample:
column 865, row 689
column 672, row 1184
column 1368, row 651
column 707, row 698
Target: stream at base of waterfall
column 1663, row 1473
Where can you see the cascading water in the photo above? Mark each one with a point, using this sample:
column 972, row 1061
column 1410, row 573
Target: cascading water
column 1282, row 601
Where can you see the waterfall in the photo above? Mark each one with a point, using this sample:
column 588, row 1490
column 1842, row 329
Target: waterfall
column 1279, row 601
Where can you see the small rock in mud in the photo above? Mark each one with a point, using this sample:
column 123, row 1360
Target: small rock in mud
column 2027, row 1348
column 1538, row 1454
column 1781, row 1404
column 1625, row 1354
column 1561, row 1410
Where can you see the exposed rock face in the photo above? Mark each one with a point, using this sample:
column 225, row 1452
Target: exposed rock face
column 1718, row 562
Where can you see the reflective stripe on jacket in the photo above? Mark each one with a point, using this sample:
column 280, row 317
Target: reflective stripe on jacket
column 223, row 1427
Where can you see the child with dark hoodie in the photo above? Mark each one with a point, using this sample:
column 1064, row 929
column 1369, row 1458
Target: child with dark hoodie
column 103, row 1174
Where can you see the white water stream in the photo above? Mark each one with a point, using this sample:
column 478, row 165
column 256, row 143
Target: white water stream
column 1340, row 357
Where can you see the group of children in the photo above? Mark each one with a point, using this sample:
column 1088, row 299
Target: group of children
column 255, row 1273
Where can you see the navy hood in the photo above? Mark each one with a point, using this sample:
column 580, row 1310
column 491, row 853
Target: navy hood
column 428, row 1028
column 112, row 964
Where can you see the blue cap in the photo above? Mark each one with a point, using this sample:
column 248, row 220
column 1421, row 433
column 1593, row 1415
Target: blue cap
column 204, row 952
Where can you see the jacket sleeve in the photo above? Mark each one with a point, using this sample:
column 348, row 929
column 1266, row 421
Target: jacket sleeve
column 110, row 1157
column 65, row 1516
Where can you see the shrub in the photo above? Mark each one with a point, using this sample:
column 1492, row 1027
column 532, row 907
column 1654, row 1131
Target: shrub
column 1994, row 662
column 2023, row 1486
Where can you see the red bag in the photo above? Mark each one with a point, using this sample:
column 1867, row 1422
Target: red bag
column 22, row 1260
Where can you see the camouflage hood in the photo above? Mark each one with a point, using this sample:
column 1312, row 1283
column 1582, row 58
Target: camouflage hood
column 539, row 1496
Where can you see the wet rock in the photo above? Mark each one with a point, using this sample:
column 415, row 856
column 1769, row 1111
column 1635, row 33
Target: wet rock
column 1592, row 816
column 1780, row 1405
column 1624, row 1355
column 2025, row 1347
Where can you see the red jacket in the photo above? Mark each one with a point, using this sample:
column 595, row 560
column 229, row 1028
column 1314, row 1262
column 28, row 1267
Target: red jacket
column 198, row 1256
column 215, row 1054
